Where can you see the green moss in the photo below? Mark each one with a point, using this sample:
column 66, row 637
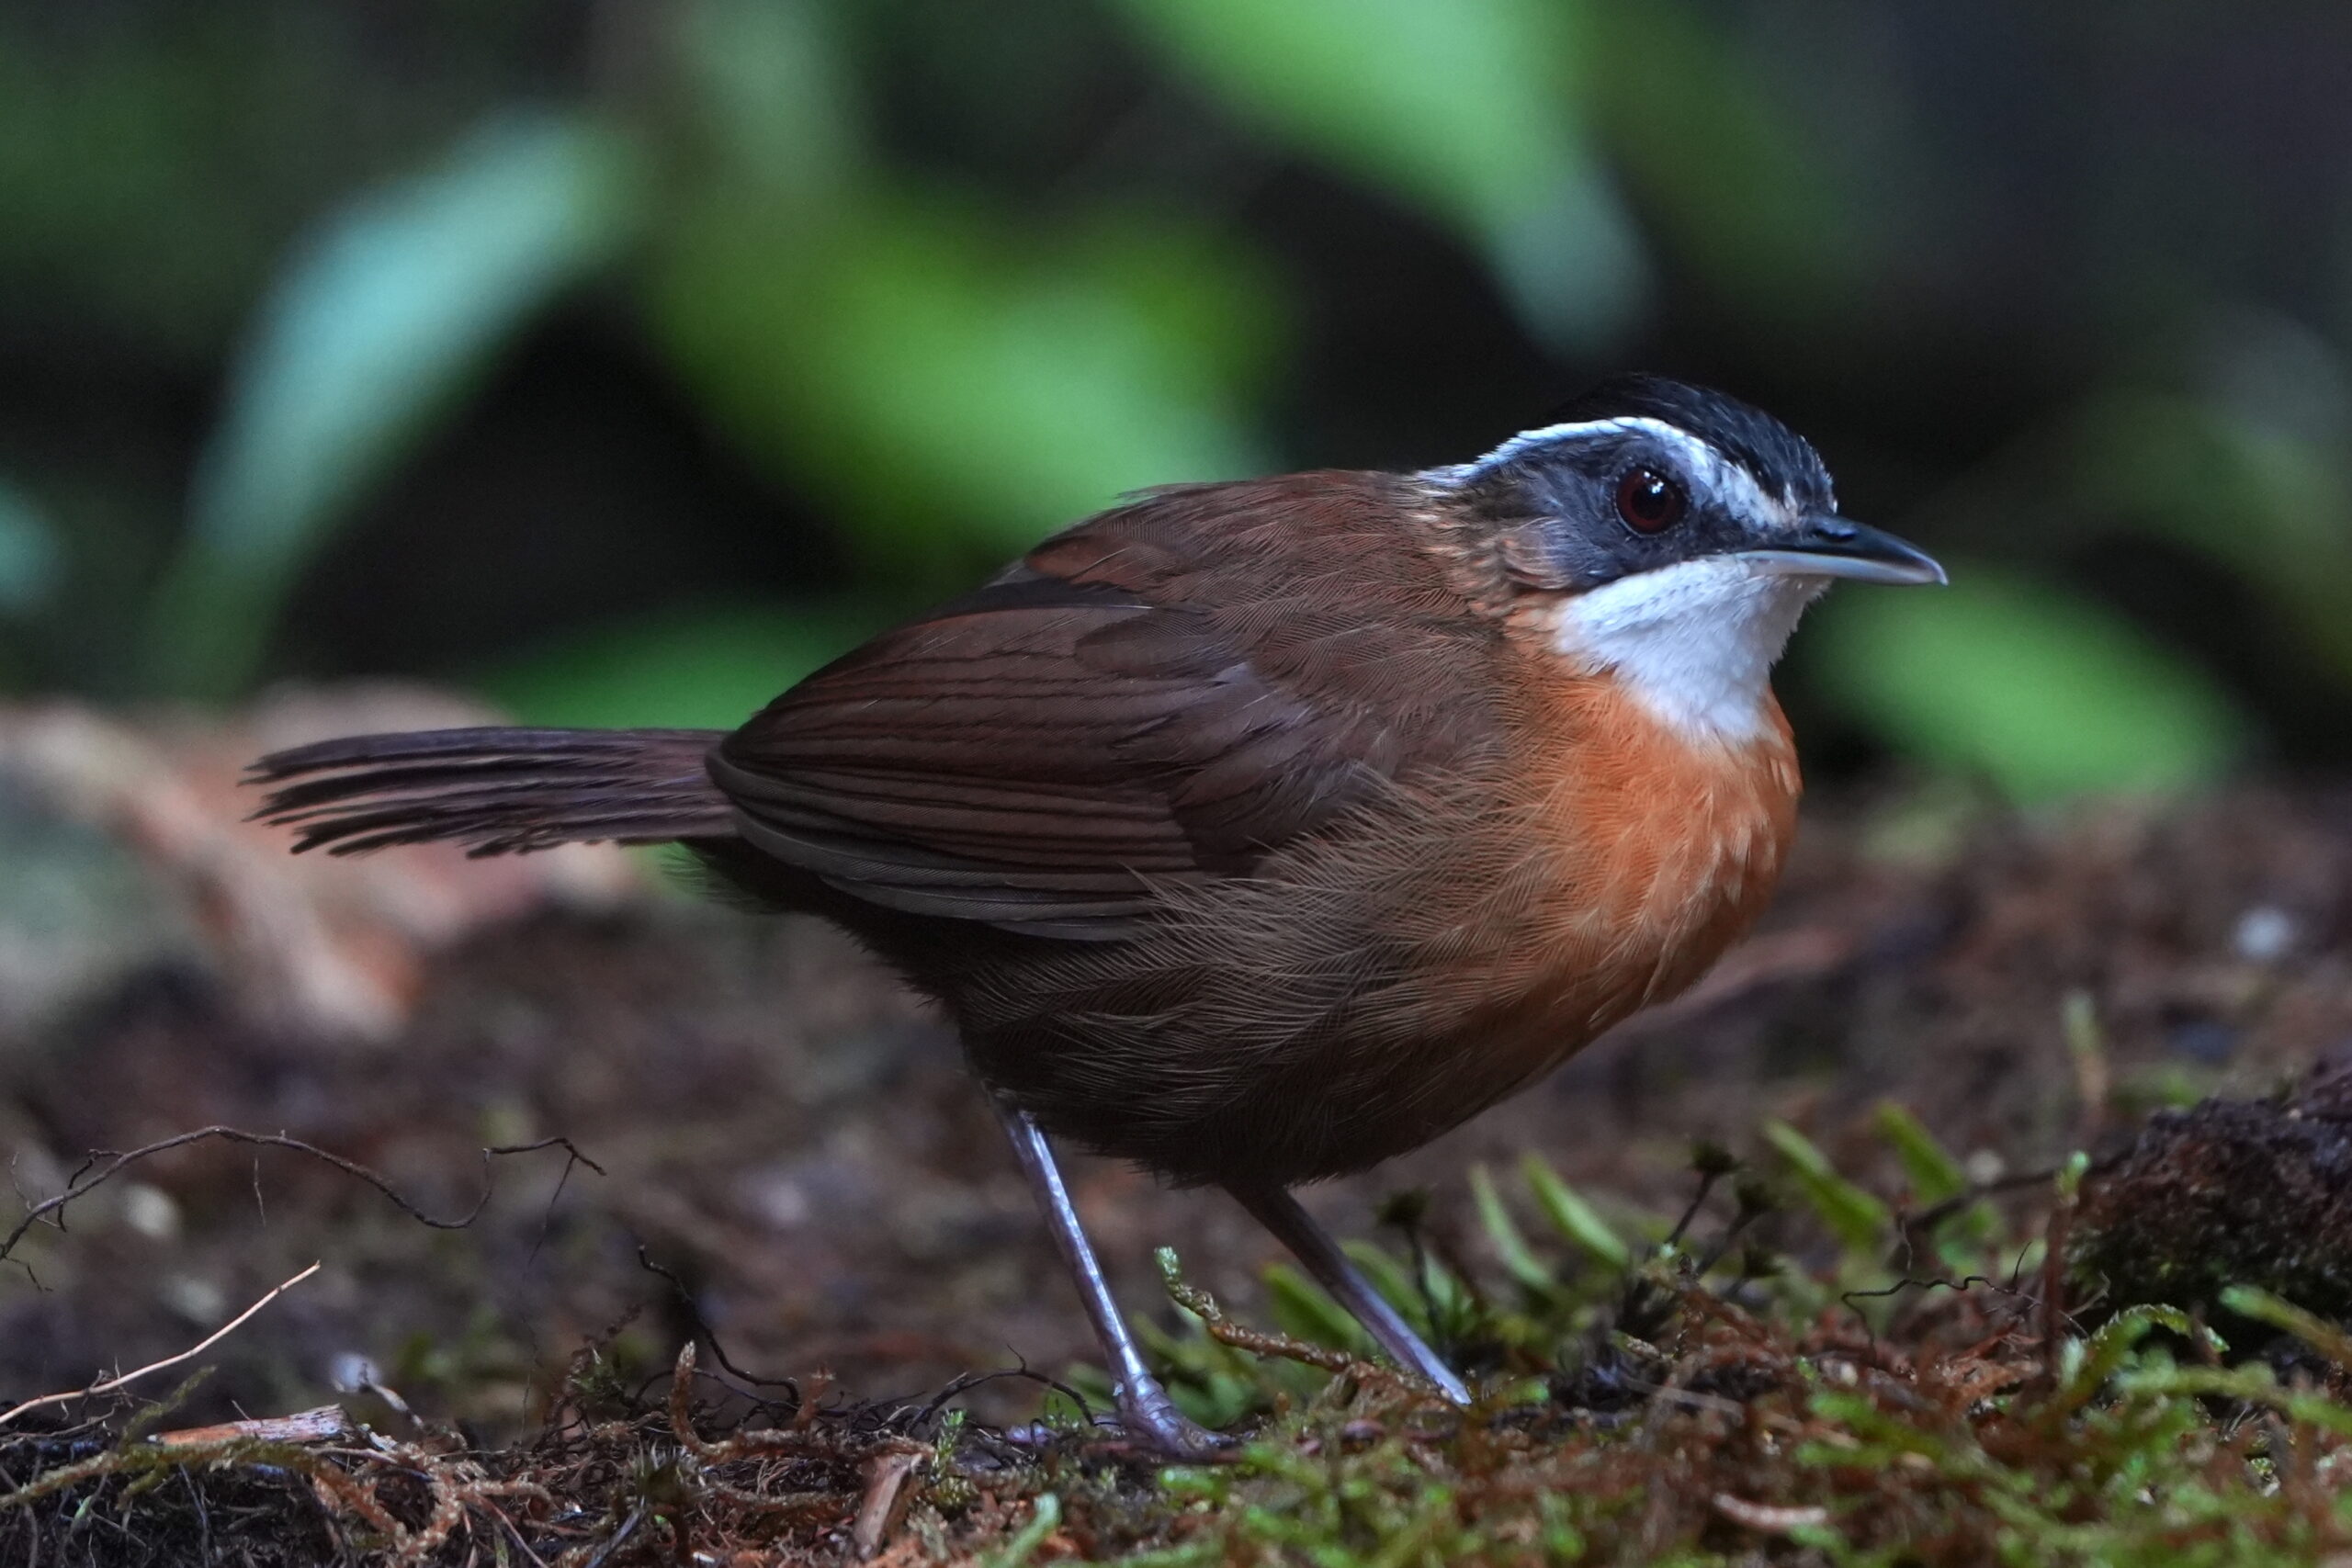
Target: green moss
column 1703, row 1401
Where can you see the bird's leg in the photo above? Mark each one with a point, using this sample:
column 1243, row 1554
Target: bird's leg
column 1144, row 1405
column 1275, row 1209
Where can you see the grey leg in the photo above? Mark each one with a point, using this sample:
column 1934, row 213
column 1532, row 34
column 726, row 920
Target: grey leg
column 1279, row 1212
column 1144, row 1405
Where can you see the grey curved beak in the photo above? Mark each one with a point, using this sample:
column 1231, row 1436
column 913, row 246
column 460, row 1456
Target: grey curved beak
column 1826, row 545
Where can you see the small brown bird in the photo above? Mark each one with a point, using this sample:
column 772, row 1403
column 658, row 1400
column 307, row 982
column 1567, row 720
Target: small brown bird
column 1256, row 832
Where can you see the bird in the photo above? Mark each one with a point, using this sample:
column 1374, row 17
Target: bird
column 1257, row 831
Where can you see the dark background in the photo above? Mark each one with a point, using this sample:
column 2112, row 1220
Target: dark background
column 621, row 360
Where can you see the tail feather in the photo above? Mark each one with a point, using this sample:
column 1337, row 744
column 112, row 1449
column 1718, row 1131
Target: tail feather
column 496, row 791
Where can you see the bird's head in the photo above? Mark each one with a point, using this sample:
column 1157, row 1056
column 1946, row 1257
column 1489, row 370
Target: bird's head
column 1673, row 535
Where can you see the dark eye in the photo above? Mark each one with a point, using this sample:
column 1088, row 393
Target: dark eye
column 1649, row 502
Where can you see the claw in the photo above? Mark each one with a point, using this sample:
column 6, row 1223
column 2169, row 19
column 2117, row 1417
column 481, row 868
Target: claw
column 1151, row 1418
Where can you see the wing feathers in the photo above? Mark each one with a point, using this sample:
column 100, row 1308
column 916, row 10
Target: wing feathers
column 1164, row 694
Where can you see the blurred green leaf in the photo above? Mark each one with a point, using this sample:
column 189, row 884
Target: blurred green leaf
column 2248, row 1300
column 1934, row 1173
column 1302, row 1309
column 372, row 328
column 772, row 90
column 1044, row 1517
column 1388, row 1276
column 1503, row 1234
column 2046, row 693
column 1858, row 1219
column 144, row 168
column 710, row 667
column 1465, row 109
column 959, row 394
column 30, row 559
column 1574, row 1218
column 1725, row 171
column 2270, row 501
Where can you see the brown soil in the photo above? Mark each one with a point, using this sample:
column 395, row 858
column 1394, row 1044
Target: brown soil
column 783, row 1130
column 793, row 1145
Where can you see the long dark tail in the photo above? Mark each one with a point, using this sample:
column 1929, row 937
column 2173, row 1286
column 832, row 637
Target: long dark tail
column 495, row 791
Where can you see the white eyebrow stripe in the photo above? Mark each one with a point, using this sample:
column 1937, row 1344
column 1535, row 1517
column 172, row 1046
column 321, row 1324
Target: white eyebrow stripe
column 1728, row 479
column 1630, row 424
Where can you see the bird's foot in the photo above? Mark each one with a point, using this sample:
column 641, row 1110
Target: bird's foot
column 1151, row 1419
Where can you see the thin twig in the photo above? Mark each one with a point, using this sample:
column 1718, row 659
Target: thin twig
column 1258, row 1342
column 1928, row 1218
column 104, row 1165
column 964, row 1382
column 686, row 1299
column 324, row 1424
column 209, row 1340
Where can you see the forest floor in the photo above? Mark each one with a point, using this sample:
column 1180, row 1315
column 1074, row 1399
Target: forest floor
column 771, row 1158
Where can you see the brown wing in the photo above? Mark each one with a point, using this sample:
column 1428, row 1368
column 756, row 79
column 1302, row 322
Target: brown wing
column 1164, row 693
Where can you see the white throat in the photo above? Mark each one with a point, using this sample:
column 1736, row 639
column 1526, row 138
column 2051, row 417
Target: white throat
column 1694, row 643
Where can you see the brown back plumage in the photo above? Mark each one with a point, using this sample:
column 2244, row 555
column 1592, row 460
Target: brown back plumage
column 1160, row 697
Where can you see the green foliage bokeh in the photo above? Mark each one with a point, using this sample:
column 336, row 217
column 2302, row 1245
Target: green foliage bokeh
column 946, row 369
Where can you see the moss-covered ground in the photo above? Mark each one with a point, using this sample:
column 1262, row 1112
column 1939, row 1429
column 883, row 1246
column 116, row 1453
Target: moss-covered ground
column 1949, row 1380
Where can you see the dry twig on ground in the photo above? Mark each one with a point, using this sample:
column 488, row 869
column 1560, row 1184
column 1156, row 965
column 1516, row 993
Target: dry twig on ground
column 125, row 1380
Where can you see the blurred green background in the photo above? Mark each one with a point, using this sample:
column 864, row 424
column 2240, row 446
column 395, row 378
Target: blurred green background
column 622, row 359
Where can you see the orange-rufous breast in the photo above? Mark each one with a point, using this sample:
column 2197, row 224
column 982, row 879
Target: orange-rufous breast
column 1643, row 853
